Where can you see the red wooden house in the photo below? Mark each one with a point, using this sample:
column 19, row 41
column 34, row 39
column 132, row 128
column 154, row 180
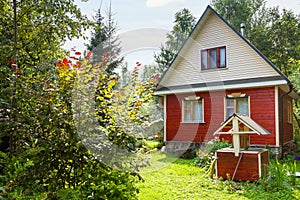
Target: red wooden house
column 216, row 73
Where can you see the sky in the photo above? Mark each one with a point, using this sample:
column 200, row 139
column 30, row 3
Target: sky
column 143, row 24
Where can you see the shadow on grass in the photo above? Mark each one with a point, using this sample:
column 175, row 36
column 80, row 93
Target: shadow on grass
column 174, row 158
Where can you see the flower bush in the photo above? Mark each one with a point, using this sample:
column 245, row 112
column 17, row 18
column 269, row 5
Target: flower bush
column 45, row 157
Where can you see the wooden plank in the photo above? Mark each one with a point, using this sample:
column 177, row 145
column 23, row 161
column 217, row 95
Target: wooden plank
column 247, row 169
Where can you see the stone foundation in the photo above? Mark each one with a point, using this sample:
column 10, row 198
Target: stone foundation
column 174, row 147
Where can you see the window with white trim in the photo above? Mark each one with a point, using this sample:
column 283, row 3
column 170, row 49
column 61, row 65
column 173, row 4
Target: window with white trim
column 236, row 104
column 213, row 58
column 192, row 110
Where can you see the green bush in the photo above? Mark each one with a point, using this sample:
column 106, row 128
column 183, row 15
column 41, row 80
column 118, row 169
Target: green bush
column 206, row 154
column 152, row 144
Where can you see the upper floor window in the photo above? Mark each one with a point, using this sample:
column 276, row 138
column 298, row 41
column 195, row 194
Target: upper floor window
column 237, row 104
column 213, row 58
column 192, row 110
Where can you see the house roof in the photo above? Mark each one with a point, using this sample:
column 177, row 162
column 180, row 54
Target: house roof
column 278, row 78
column 245, row 120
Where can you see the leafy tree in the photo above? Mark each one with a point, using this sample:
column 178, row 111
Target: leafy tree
column 238, row 11
column 135, row 107
column 184, row 23
column 32, row 31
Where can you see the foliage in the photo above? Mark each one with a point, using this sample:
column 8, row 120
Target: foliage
column 32, row 31
column 184, row 23
column 280, row 176
column 105, row 41
column 135, row 107
column 238, row 11
column 206, row 154
column 48, row 155
column 152, row 144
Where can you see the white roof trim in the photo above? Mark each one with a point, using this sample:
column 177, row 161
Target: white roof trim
column 222, row 87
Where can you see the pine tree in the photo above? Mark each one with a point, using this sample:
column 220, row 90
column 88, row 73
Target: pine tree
column 104, row 40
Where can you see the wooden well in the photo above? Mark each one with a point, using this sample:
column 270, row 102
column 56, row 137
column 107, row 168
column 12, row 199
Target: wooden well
column 241, row 162
column 249, row 165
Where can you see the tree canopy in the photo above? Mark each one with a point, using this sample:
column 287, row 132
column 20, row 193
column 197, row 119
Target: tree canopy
column 32, row 31
column 184, row 23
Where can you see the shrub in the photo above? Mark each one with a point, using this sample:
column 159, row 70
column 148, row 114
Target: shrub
column 206, row 153
column 152, row 144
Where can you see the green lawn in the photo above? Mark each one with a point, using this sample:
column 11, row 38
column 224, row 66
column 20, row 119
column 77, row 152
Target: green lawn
column 169, row 178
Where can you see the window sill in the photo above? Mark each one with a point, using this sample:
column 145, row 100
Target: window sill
column 192, row 122
column 210, row 70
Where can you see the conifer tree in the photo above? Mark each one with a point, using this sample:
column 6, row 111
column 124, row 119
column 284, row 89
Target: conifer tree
column 104, row 40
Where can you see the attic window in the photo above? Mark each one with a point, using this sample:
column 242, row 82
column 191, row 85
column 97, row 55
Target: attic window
column 213, row 58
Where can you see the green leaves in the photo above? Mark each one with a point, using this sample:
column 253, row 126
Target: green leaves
column 184, row 23
column 42, row 27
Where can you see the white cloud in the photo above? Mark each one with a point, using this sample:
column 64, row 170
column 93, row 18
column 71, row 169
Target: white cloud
column 161, row 3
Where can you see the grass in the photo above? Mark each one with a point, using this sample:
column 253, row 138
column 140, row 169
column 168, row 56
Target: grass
column 170, row 178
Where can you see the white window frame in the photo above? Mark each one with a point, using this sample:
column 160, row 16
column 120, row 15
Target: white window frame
column 191, row 98
column 235, row 97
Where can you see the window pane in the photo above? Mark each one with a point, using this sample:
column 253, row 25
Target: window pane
column 213, row 58
column 204, row 59
column 187, row 105
column 222, row 57
column 230, row 102
column 198, row 111
column 242, row 106
column 192, row 111
column 229, row 112
column 187, row 115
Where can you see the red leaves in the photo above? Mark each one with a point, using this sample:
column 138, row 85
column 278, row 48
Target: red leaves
column 77, row 64
column 155, row 77
column 10, row 62
column 89, row 54
column 15, row 67
column 113, row 57
column 138, row 64
column 63, row 63
column 67, row 64
column 106, row 54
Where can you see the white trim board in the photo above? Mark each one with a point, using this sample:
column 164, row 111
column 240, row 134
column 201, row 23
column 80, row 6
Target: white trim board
column 222, row 87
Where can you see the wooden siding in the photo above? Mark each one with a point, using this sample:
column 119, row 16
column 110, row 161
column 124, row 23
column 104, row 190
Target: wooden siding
column 287, row 127
column 242, row 61
column 248, row 168
column 265, row 160
column 262, row 111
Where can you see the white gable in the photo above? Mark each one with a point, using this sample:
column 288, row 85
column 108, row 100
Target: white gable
column 243, row 62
